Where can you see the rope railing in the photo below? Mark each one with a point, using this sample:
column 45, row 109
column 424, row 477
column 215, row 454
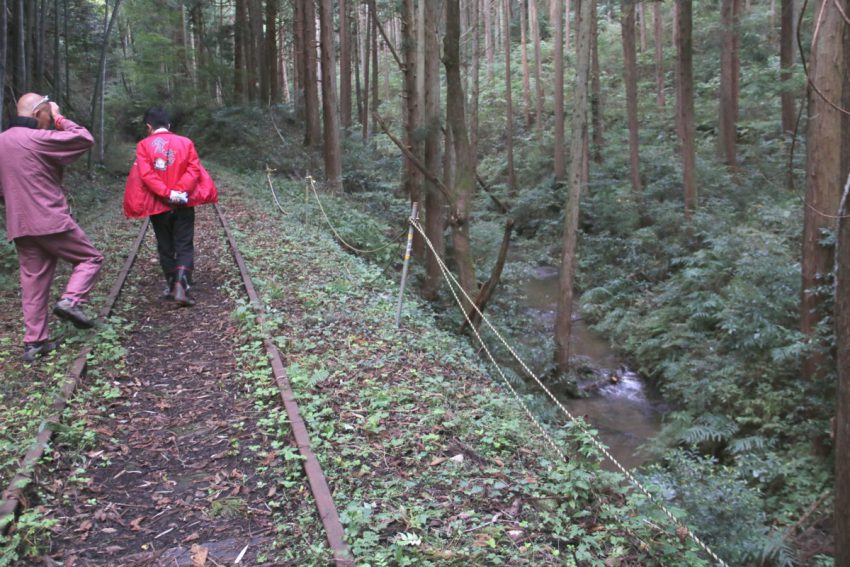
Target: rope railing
column 452, row 284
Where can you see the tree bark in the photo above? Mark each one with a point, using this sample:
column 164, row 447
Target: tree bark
column 239, row 59
column 556, row 19
column 373, row 29
column 312, row 126
column 786, row 62
column 434, row 201
column 685, row 108
column 563, row 321
column 476, row 81
column 526, row 80
column 97, row 96
column 332, row 149
column 488, row 39
column 824, row 175
column 271, row 53
column 538, row 64
column 22, row 82
column 412, row 176
column 659, row 56
column 344, row 65
column 630, row 81
column 596, row 89
column 509, row 106
column 463, row 187
column 729, row 79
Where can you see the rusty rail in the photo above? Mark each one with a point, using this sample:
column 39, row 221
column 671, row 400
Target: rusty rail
column 315, row 476
column 13, row 495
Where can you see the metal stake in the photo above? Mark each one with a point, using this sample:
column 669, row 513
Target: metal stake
column 414, row 213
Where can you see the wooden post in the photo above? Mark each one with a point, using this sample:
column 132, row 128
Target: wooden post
column 414, row 213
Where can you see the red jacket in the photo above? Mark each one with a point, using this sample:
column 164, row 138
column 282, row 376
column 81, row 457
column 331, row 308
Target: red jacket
column 166, row 162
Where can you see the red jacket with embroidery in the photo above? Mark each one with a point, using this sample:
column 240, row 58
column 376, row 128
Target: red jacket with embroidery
column 166, row 162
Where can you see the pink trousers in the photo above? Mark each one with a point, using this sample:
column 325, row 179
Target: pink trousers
column 37, row 257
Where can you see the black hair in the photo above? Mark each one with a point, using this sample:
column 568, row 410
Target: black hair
column 157, row 117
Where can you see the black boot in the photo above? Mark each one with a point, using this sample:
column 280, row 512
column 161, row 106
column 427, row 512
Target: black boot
column 180, row 289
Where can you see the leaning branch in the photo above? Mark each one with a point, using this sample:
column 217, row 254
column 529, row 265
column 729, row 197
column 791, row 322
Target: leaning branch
column 415, row 161
column 476, row 312
column 387, row 41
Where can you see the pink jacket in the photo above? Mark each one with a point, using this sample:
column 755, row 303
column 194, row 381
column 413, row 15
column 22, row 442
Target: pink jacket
column 166, row 161
column 31, row 166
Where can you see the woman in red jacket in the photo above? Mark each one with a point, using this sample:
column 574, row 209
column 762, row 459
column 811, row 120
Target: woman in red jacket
column 165, row 183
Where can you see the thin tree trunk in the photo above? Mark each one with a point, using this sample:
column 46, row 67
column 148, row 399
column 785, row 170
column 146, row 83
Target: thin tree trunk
column 40, row 47
column 412, row 175
column 23, row 75
column 729, row 71
column 538, row 83
column 526, row 80
column 476, row 81
column 786, row 61
column 67, row 59
column 99, row 86
column 509, row 133
column 488, row 39
column 271, row 53
column 434, row 201
column 641, row 16
column 685, row 89
column 659, row 56
column 376, row 98
column 567, row 25
column 332, row 148
column 239, row 60
column 824, row 175
column 312, row 133
column 630, row 80
column 563, row 321
column 596, row 89
column 364, row 53
column 344, row 65
column 556, row 18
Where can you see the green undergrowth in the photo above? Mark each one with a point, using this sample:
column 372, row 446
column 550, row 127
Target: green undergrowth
column 430, row 461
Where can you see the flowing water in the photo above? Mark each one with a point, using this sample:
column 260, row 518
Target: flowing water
column 625, row 413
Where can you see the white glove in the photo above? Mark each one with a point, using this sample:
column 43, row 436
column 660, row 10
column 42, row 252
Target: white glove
column 178, row 197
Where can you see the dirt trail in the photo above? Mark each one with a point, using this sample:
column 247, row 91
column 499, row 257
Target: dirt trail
column 171, row 466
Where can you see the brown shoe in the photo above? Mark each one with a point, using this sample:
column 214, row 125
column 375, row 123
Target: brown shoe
column 64, row 309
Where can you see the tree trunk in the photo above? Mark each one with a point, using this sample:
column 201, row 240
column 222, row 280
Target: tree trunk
column 563, row 321
column 332, row 149
column 488, row 39
column 641, row 16
column 239, row 60
column 312, row 126
column 271, row 53
column 630, row 80
column 538, row 73
column 412, row 175
column 364, row 54
column 729, row 77
column 67, row 58
column 344, row 65
column 842, row 415
column 596, row 89
column 659, row 55
column 101, row 76
column 526, row 80
column 786, row 61
column 509, row 107
column 22, row 83
column 476, row 81
column 434, row 201
column 373, row 28
column 685, row 108
column 463, row 187
column 40, row 48
column 824, row 175
column 567, row 26
column 556, row 19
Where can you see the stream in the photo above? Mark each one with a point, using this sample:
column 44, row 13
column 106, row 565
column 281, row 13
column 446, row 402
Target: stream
column 626, row 413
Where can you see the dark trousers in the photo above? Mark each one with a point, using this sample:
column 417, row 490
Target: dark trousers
column 175, row 240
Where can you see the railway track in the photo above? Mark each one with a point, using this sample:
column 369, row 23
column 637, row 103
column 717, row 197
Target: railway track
column 166, row 408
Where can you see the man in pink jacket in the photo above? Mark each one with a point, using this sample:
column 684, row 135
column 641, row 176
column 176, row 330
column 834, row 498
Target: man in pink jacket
column 38, row 218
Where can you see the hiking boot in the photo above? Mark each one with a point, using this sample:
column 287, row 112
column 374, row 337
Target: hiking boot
column 180, row 291
column 65, row 309
column 34, row 350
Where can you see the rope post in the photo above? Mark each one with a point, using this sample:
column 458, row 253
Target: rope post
column 414, row 213
column 307, row 196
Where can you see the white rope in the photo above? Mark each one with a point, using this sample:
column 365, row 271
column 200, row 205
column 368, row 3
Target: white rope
column 312, row 184
column 598, row 444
